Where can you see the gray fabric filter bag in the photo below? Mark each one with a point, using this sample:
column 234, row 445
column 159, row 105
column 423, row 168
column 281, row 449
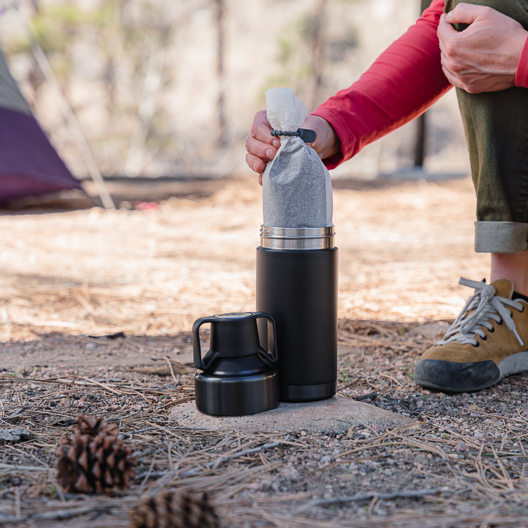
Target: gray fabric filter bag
column 296, row 186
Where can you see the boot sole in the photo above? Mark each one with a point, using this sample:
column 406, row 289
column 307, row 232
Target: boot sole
column 448, row 376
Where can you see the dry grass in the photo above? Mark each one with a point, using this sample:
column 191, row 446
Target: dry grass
column 68, row 276
column 402, row 250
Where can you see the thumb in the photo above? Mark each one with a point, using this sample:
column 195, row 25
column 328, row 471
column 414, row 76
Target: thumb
column 465, row 14
column 445, row 29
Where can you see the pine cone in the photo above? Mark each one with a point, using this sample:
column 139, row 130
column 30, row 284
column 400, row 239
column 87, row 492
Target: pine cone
column 93, row 459
column 179, row 509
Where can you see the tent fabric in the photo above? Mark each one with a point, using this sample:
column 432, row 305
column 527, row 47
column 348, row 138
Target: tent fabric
column 10, row 96
column 29, row 165
column 16, row 187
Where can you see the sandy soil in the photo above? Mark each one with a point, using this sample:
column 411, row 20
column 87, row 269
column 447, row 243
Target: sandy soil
column 402, row 249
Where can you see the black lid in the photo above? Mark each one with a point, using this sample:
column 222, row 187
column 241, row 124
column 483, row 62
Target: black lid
column 234, row 335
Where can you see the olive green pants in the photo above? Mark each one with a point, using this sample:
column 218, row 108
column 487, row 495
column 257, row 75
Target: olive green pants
column 496, row 126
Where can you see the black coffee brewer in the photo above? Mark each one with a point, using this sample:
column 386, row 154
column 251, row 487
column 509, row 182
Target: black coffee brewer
column 297, row 285
column 237, row 376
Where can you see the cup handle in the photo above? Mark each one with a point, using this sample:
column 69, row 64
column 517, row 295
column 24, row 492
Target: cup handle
column 197, row 352
column 271, row 353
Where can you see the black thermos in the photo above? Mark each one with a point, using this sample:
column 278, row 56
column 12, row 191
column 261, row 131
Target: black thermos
column 297, row 286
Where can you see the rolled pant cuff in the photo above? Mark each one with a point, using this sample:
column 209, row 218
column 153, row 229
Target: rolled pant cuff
column 501, row 237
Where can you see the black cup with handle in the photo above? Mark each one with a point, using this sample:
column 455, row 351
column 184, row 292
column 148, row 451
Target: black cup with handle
column 236, row 377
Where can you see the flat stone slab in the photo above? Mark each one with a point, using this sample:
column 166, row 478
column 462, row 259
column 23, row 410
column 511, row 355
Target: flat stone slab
column 335, row 415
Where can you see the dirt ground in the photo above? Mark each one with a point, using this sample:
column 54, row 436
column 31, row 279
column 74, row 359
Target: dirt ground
column 177, row 251
column 402, row 250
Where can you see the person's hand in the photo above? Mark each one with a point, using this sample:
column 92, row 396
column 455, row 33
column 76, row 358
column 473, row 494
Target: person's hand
column 261, row 146
column 484, row 57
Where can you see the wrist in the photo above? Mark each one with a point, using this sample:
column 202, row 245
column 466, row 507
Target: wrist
column 327, row 143
column 521, row 73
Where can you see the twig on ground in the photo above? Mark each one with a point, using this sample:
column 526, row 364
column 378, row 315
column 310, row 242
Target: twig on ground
column 53, row 515
column 171, row 370
column 369, row 496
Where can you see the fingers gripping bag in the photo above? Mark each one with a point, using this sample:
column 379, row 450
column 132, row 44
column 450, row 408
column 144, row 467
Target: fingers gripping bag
column 297, row 189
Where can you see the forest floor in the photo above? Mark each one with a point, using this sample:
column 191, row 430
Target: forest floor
column 95, row 312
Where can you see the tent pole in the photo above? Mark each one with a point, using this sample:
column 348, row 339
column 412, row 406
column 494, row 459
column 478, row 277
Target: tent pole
column 70, row 118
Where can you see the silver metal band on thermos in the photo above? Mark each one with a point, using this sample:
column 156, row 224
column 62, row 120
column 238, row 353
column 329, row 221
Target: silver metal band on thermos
column 298, row 238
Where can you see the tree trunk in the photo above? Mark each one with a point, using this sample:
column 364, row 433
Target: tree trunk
column 220, row 11
column 421, row 122
column 318, row 51
column 34, row 74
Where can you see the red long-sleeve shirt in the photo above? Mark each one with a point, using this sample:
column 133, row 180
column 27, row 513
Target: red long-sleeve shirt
column 401, row 85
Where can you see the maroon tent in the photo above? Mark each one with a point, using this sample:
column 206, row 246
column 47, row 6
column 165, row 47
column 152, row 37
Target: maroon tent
column 29, row 165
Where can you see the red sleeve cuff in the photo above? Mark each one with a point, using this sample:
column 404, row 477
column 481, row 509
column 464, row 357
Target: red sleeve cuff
column 521, row 76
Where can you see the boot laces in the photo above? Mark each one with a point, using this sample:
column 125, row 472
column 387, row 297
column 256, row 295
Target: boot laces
column 482, row 307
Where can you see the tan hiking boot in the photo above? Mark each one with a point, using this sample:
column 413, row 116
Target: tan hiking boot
column 488, row 341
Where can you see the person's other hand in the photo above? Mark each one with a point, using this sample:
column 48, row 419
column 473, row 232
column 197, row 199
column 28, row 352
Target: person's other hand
column 261, row 146
column 484, row 57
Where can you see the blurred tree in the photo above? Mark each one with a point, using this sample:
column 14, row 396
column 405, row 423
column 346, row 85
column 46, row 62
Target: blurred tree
column 35, row 77
column 318, row 48
column 148, row 81
column 220, row 50
column 307, row 49
column 421, row 122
